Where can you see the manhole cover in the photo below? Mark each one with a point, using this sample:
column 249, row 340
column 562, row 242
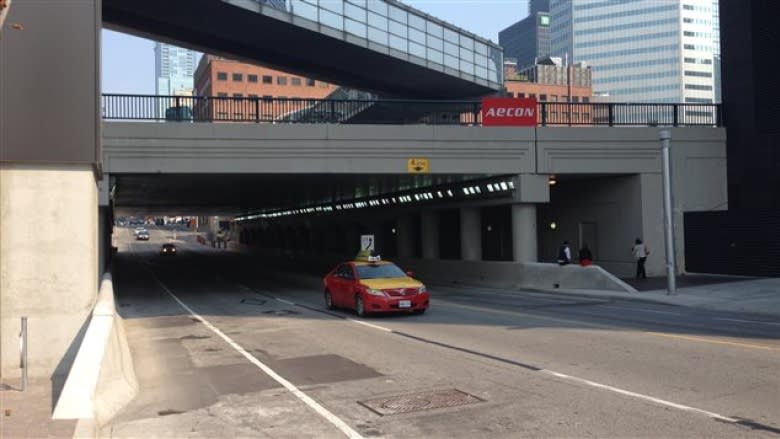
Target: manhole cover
column 420, row 401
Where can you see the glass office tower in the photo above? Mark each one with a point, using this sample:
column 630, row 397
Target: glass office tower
column 174, row 69
column 640, row 50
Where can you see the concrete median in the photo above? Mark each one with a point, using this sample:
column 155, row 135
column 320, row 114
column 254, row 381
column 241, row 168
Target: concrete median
column 102, row 379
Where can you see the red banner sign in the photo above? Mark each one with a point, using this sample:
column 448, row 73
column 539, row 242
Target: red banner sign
column 509, row 112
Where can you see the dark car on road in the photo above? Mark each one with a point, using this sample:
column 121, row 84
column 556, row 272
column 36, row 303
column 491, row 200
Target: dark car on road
column 168, row 249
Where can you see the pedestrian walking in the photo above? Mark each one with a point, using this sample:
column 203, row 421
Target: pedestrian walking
column 640, row 254
column 585, row 256
column 564, row 254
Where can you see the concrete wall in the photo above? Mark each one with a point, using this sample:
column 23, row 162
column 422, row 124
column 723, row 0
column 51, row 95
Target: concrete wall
column 48, row 261
column 50, row 82
column 630, row 206
column 612, row 204
column 264, row 148
column 50, row 152
column 136, row 147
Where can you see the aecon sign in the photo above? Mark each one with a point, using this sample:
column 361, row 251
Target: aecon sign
column 509, row 112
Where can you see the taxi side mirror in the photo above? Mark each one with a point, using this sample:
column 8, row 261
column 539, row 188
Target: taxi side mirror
column 410, row 273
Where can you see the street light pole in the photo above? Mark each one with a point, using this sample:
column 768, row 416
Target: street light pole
column 671, row 270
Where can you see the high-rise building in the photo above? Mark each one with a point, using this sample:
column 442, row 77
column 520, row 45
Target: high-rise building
column 640, row 50
column 716, row 50
column 535, row 6
column 528, row 39
column 174, row 69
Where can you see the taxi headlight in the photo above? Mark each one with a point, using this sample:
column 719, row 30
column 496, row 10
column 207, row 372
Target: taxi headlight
column 375, row 292
column 422, row 289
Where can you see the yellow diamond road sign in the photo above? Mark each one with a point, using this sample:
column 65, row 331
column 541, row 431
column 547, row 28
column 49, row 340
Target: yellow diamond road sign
column 417, row 166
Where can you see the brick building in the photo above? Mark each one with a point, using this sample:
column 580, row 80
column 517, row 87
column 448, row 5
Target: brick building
column 550, row 81
column 224, row 78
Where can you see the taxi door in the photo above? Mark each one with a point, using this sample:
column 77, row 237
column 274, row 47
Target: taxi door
column 343, row 285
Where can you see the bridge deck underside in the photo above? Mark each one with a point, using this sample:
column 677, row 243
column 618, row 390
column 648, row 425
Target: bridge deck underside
column 216, row 27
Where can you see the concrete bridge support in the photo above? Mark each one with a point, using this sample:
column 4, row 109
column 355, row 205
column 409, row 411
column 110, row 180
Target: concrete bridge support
column 50, row 251
column 470, row 234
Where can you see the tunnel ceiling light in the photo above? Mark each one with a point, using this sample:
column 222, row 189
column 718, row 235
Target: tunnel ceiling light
column 553, row 225
column 552, row 180
column 468, row 191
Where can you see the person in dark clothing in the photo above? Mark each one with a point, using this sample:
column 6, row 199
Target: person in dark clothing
column 564, row 253
column 585, row 256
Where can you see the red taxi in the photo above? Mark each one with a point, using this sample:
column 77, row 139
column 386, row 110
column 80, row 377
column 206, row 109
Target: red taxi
column 374, row 286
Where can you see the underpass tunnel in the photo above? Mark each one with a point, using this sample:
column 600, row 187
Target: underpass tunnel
column 312, row 222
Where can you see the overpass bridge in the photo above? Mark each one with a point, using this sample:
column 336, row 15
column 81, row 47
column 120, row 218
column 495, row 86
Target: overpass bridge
column 303, row 170
column 383, row 46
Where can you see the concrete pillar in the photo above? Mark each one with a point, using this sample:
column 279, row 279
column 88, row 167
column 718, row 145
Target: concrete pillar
column 470, row 234
column 405, row 237
column 429, row 234
column 524, row 246
column 48, row 261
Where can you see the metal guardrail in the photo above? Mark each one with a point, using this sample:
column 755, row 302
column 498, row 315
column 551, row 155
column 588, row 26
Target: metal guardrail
column 398, row 112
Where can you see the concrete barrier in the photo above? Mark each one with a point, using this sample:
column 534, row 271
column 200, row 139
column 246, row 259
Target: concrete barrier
column 102, row 379
column 500, row 274
column 527, row 275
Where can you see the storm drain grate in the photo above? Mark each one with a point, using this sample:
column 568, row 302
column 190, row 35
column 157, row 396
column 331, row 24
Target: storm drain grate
column 419, row 401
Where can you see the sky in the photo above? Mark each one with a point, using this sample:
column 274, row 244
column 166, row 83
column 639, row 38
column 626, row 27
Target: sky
column 128, row 61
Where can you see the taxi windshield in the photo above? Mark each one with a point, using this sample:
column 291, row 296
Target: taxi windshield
column 379, row 271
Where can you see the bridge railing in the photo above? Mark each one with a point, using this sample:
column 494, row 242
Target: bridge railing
column 258, row 109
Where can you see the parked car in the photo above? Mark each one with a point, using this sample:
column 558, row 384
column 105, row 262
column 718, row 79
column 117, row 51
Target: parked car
column 373, row 286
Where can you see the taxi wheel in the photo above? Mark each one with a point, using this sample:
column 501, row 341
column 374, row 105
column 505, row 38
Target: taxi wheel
column 328, row 300
column 360, row 307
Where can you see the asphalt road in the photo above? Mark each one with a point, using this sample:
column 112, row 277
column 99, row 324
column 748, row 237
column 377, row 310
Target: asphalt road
column 225, row 348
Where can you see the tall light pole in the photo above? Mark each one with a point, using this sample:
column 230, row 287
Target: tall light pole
column 671, row 270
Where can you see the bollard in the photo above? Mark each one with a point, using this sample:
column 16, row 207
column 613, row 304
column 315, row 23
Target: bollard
column 23, row 353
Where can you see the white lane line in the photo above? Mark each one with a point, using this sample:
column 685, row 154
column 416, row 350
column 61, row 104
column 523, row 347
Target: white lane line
column 285, row 301
column 370, row 325
column 325, row 413
column 580, row 380
column 644, row 310
column 641, row 396
column 749, row 321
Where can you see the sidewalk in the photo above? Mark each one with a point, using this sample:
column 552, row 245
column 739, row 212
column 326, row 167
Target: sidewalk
column 722, row 293
column 28, row 414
